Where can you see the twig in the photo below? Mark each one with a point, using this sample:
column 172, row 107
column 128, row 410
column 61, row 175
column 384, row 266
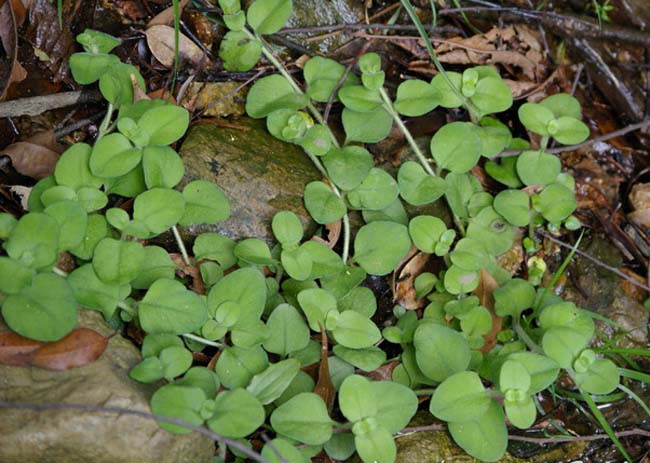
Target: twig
column 78, row 125
column 35, row 105
column 608, row 136
column 596, row 261
column 342, row 80
column 127, row 411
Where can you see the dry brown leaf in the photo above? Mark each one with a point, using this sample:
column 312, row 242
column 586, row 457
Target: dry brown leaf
column 384, row 372
column 485, row 293
column 333, row 234
column 138, row 93
column 166, row 16
column 162, row 94
column 80, row 347
column 9, row 19
column 14, row 348
column 403, row 287
column 161, row 43
column 324, row 387
column 36, row 156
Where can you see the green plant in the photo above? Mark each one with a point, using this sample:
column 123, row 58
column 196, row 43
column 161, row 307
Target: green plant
column 602, row 11
column 262, row 325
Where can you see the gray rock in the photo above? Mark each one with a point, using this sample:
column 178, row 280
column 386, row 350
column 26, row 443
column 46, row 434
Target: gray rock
column 78, row 437
column 260, row 174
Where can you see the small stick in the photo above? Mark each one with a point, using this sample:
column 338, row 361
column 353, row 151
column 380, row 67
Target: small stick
column 35, row 105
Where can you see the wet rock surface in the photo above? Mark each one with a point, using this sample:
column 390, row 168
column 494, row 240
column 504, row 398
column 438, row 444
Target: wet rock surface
column 261, row 175
column 72, row 436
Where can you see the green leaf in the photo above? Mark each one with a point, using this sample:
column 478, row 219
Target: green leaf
column 470, row 254
column 93, row 293
column 271, row 93
column 303, row 418
column 513, row 298
column 568, row 130
column 317, row 141
column 514, row 206
column 201, row 377
column 116, row 83
column 416, row 186
column 272, row 382
column 237, row 365
column 118, row 261
column 440, row 351
column 366, row 127
column 14, row 276
column 114, row 155
column 91, row 199
column 448, row 98
column 459, row 280
column 287, row 228
column 323, row 205
column 316, row 303
column 492, row 95
column 556, row 202
column 268, row 16
column 97, row 42
column 244, row 286
column 416, row 98
column 154, row 344
column 157, row 264
column 459, row 190
column 129, row 185
column 359, row 299
column 505, row 172
column 355, row 331
column 521, row 413
column 239, row 52
column 376, row 445
column 168, row 307
column 72, row 168
column 360, row 99
column 397, row 405
column 380, row 246
column 289, row 332
column 376, row 192
column 148, row 371
column 159, row 209
column 460, row 397
column 456, row 147
column 175, row 361
column 162, row 167
column 253, row 251
column 205, row 203
column 491, row 229
column 237, row 413
column 368, row 359
column 96, row 230
column 542, row 370
column 179, row 402
column 425, row 231
column 356, row 398
column 348, row 166
column 562, row 105
column 495, row 136
column 340, row 446
column 322, row 76
column 486, row 438
column 89, row 67
column 34, row 240
column 602, row 377
column 297, row 263
column 535, row 117
column 215, row 247
column 7, row 223
column 72, row 221
column 45, row 311
column 514, row 375
column 287, row 452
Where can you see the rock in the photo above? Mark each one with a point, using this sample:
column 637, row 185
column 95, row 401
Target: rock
column 81, row 437
column 260, row 174
column 216, row 99
column 310, row 13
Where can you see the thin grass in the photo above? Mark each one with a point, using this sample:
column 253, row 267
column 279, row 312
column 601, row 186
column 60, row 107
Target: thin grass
column 605, row 425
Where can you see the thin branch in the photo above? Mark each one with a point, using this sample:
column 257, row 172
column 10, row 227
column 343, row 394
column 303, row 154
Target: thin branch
column 361, row 26
column 608, row 136
column 35, row 105
column 596, row 261
column 146, row 415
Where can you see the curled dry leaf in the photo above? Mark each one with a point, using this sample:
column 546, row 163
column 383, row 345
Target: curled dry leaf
column 81, row 347
column 10, row 17
column 333, row 234
column 403, row 285
column 485, row 293
column 36, row 156
column 384, row 372
column 160, row 39
column 166, row 16
column 324, row 387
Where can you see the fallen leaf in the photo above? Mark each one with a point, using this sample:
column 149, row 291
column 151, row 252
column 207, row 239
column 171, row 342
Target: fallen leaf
column 384, row 372
column 324, row 387
column 81, row 347
column 166, row 16
column 333, row 234
column 9, row 38
column 36, row 156
column 163, row 94
column 403, row 286
column 138, row 93
column 14, row 348
column 160, row 39
column 485, row 293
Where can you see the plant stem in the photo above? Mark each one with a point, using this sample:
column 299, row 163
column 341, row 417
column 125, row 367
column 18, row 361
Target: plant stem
column 59, row 272
column 316, row 114
column 207, row 342
column 181, row 245
column 388, row 105
column 524, row 336
column 127, row 308
column 103, row 128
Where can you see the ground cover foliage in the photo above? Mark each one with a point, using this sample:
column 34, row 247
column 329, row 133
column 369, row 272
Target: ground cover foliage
column 483, row 348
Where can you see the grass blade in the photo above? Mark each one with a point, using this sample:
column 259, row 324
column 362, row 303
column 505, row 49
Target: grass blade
column 604, row 424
